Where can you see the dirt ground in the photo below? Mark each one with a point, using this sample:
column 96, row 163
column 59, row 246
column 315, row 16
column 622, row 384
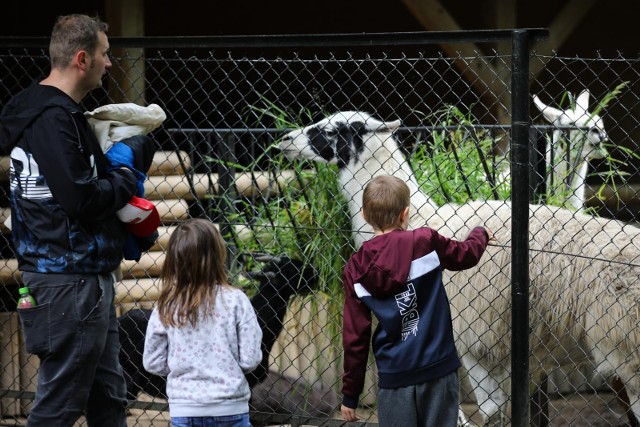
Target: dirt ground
column 580, row 410
column 577, row 410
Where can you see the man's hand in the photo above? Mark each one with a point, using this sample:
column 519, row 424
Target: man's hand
column 348, row 414
column 143, row 148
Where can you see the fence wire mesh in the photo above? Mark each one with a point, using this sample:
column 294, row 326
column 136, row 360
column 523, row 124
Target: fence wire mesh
column 291, row 217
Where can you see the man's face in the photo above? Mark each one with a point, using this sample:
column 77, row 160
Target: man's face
column 99, row 63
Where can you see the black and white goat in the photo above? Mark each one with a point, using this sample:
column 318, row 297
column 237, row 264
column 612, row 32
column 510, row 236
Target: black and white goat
column 281, row 278
column 584, row 271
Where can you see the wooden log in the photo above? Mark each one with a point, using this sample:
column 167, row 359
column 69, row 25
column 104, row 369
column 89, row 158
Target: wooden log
column 149, row 266
column 164, row 233
column 137, row 290
column 169, row 163
column 5, row 168
column 247, row 184
column 172, row 210
column 164, row 163
column 9, row 273
column 4, row 214
column 10, row 362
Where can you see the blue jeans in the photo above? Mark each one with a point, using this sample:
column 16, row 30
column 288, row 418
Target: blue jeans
column 74, row 332
column 240, row 420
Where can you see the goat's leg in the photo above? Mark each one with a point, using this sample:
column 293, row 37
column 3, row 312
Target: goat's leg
column 462, row 419
column 491, row 399
column 623, row 398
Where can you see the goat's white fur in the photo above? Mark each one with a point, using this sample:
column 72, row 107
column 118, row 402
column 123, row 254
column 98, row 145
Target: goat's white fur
column 585, row 142
column 584, row 272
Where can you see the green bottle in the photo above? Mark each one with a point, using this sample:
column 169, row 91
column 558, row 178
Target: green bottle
column 25, row 300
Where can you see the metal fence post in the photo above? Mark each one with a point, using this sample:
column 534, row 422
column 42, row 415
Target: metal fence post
column 520, row 124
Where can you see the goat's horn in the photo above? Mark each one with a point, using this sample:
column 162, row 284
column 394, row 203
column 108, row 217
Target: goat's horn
column 261, row 274
column 264, row 257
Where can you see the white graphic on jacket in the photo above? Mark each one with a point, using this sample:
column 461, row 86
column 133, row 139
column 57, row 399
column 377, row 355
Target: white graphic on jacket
column 25, row 175
column 408, row 305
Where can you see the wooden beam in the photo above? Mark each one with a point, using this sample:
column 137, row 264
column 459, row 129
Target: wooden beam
column 560, row 29
column 126, row 18
column 434, row 17
column 504, row 17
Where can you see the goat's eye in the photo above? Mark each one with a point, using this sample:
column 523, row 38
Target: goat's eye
column 595, row 133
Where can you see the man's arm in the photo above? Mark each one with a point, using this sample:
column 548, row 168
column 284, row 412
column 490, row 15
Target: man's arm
column 70, row 175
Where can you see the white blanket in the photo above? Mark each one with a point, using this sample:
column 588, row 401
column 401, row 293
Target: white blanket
column 115, row 122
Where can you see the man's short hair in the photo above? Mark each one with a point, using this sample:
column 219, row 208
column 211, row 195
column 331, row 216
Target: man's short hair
column 72, row 33
column 384, row 199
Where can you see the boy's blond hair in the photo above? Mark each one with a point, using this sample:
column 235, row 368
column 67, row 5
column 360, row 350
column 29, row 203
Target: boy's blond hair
column 383, row 200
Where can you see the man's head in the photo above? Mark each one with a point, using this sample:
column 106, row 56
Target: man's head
column 385, row 203
column 81, row 41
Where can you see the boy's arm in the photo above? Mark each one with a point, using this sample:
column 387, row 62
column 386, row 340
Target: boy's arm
column 459, row 255
column 356, row 338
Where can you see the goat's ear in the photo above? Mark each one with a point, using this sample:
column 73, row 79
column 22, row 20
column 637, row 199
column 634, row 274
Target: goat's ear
column 374, row 125
column 582, row 103
column 550, row 114
column 393, row 125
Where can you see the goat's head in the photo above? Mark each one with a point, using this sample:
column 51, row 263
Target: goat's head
column 589, row 135
column 286, row 275
column 338, row 139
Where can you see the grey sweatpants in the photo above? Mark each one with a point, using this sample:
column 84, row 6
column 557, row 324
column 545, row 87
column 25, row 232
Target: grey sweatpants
column 431, row 404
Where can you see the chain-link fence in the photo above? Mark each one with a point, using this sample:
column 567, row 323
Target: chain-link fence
column 291, row 221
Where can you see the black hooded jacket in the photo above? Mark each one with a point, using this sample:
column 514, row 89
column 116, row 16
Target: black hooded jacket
column 63, row 198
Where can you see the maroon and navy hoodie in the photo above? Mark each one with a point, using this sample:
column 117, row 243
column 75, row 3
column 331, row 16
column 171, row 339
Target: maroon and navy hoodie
column 397, row 276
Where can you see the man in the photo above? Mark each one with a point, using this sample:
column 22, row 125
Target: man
column 68, row 240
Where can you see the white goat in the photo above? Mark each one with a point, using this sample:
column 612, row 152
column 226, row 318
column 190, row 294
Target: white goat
column 584, row 271
column 569, row 150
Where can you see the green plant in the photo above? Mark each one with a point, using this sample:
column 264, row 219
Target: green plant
column 457, row 164
column 307, row 219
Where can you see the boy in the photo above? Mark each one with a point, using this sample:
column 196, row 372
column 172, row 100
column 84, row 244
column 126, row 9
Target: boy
column 397, row 275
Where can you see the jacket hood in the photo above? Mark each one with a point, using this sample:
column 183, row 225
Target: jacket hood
column 26, row 107
column 379, row 263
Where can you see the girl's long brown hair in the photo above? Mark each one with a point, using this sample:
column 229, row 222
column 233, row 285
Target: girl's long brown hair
column 193, row 269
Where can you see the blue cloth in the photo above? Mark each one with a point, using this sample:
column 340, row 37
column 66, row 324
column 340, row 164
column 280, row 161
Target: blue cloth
column 121, row 155
column 240, row 420
column 131, row 250
column 135, row 245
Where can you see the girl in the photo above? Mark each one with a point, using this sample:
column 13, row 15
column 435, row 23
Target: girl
column 203, row 333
